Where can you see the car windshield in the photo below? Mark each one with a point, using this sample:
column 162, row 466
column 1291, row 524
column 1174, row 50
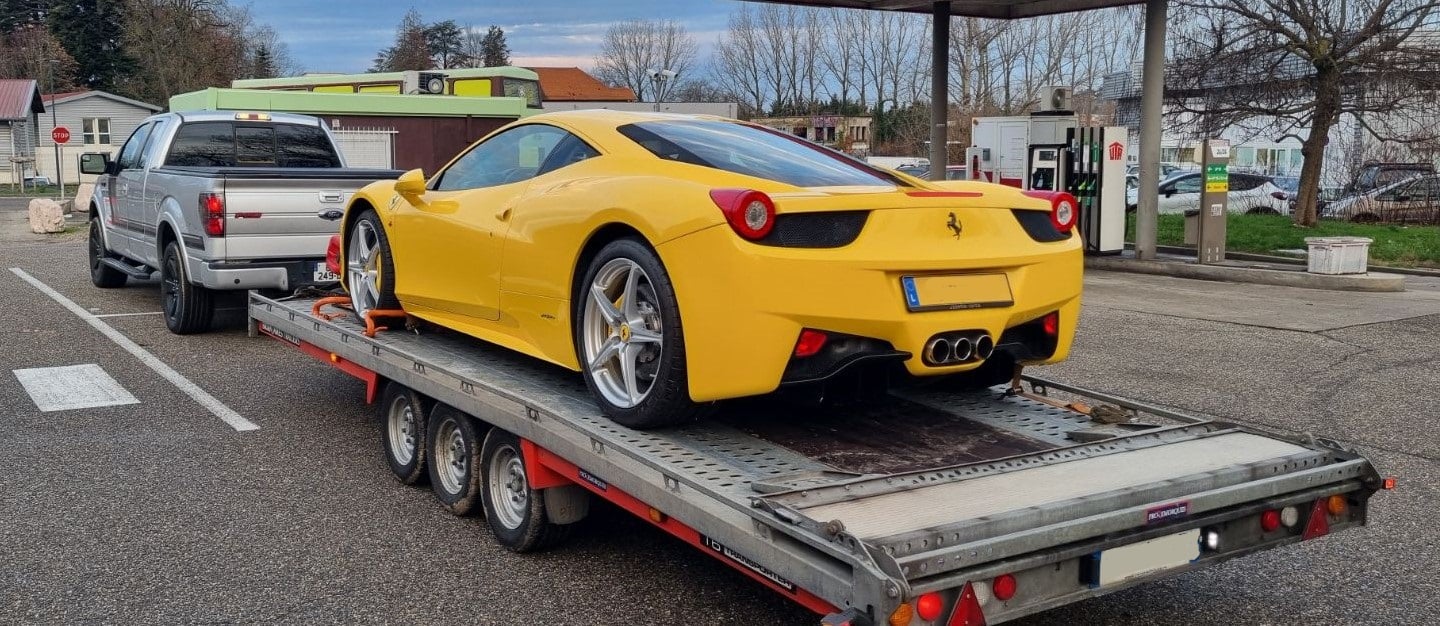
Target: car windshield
column 753, row 151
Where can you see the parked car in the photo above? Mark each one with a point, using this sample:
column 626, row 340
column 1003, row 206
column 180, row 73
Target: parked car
column 218, row 200
column 952, row 172
column 1249, row 194
column 1410, row 201
column 37, row 180
column 1373, row 175
column 676, row 261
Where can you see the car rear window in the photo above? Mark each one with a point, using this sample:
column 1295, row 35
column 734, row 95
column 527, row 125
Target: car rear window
column 752, row 151
column 231, row 144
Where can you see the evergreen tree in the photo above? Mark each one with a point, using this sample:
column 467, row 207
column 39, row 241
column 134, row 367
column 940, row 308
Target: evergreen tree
column 411, row 50
column 17, row 13
column 496, row 50
column 446, row 40
column 263, row 66
column 91, row 32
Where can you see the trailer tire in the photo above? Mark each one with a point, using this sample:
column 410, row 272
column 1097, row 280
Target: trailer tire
column 402, row 433
column 454, row 440
column 515, row 511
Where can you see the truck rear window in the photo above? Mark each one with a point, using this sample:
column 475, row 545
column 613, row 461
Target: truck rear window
column 231, row 144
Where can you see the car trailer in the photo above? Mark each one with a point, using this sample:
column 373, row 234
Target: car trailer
column 933, row 506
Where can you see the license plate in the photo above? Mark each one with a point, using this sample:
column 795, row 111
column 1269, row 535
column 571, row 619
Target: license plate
column 1150, row 556
column 324, row 275
column 956, row 291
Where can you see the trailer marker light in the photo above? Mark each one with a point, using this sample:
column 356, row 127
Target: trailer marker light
column 1004, row 587
column 902, row 615
column 1388, row 484
column 1289, row 516
column 1336, row 505
column 1269, row 520
column 334, row 358
column 657, row 516
column 1210, row 539
column 929, row 605
column 811, row 341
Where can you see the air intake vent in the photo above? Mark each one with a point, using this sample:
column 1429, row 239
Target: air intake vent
column 831, row 229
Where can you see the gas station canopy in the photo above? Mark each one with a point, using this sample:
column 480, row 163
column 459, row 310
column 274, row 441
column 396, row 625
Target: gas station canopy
column 998, row 9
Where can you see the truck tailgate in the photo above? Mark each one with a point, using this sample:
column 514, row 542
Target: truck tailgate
column 285, row 216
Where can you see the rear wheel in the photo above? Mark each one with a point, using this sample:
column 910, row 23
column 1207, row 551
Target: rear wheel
column 369, row 267
column 188, row 308
column 102, row 275
column 515, row 512
column 402, row 433
column 454, row 440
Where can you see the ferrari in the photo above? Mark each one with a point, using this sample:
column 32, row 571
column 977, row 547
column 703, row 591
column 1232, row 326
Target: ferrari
column 677, row 261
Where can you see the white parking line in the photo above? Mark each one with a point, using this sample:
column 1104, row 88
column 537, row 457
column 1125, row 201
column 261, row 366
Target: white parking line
column 105, row 315
column 71, row 387
column 225, row 413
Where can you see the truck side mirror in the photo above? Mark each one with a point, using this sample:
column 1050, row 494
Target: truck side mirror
column 94, row 163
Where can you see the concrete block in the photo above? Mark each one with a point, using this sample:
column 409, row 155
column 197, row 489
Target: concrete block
column 46, row 216
column 82, row 196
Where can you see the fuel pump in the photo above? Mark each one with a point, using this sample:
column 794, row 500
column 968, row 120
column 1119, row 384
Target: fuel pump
column 1096, row 177
column 1048, row 167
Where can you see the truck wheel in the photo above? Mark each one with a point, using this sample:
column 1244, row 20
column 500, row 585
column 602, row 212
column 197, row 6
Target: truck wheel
column 369, row 266
column 515, row 512
column 102, row 275
column 454, row 440
column 188, row 308
column 402, row 433
column 629, row 340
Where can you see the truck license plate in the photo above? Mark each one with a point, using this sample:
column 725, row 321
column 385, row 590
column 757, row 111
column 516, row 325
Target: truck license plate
column 324, row 275
column 1145, row 557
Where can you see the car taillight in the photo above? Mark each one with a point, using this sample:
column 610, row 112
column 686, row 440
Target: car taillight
column 212, row 209
column 1064, row 210
column 751, row 213
column 332, row 255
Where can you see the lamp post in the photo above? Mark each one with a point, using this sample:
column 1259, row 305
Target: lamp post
column 661, row 78
column 54, row 123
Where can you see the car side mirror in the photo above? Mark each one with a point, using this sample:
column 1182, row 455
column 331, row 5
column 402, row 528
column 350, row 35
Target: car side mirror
column 411, row 183
column 95, row 163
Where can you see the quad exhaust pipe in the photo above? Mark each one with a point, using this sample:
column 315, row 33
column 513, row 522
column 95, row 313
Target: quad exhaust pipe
column 957, row 348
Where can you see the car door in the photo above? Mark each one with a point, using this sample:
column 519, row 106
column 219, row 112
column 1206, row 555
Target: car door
column 448, row 243
column 1414, row 203
column 147, row 204
column 1181, row 194
column 127, row 191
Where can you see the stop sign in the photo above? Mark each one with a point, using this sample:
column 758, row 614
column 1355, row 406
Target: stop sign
column 60, row 134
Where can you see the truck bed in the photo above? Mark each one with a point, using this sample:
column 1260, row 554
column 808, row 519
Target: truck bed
column 869, row 504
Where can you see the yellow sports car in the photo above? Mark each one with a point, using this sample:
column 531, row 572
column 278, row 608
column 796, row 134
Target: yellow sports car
column 680, row 260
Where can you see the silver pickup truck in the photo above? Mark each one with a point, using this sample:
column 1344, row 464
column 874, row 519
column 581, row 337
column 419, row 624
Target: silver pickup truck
column 218, row 200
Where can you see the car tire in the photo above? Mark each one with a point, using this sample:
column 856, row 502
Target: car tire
column 375, row 271
column 666, row 399
column 402, row 433
column 514, row 511
column 454, row 441
column 102, row 275
column 188, row 308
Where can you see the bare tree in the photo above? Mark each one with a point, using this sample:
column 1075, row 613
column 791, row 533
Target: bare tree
column 27, row 52
column 633, row 49
column 1300, row 66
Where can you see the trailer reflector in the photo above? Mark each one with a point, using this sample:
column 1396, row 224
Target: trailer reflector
column 1004, row 587
column 967, row 612
column 1318, row 526
column 902, row 615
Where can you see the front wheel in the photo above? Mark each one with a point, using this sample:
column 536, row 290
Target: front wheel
column 629, row 338
column 188, row 308
column 369, row 267
column 102, row 275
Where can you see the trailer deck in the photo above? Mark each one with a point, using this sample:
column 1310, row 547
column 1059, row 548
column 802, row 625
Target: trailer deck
column 868, row 507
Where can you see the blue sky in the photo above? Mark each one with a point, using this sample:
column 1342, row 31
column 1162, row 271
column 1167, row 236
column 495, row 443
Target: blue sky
column 344, row 37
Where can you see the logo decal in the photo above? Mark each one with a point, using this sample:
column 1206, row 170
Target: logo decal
column 744, row 561
column 954, row 225
column 594, row 480
column 394, row 200
column 1167, row 512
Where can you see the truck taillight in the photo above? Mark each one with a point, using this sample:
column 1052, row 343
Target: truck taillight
column 212, row 208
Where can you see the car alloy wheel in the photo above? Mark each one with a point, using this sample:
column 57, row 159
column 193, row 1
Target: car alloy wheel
column 622, row 333
column 362, row 263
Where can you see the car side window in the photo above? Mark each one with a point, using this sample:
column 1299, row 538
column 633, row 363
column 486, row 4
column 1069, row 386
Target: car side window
column 511, row 156
column 152, row 143
column 1188, row 184
column 569, row 151
column 1243, row 182
column 1423, row 189
column 130, row 152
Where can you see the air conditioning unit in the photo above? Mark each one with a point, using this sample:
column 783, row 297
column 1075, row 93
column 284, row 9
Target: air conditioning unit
column 431, row 83
column 1054, row 98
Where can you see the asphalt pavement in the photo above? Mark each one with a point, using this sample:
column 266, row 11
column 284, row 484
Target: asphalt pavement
column 160, row 512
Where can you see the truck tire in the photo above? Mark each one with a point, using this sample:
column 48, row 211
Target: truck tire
column 514, row 511
column 454, row 441
column 188, row 308
column 102, row 275
column 402, row 433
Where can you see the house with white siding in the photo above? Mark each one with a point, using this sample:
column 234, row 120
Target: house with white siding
column 98, row 121
column 19, row 107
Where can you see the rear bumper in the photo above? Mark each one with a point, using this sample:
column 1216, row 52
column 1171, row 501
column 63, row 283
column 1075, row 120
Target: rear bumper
column 284, row 274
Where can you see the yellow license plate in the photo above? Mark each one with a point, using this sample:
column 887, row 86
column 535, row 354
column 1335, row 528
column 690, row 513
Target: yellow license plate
column 956, row 291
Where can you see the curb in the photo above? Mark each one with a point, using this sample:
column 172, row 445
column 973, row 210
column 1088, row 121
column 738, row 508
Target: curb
column 1371, row 282
column 1289, row 260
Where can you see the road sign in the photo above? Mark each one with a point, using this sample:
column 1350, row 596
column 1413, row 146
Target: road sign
column 61, row 135
column 1217, row 177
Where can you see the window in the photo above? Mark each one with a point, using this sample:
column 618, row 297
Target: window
column 527, row 89
column 1187, row 184
column 1244, row 156
column 752, row 151
column 1424, row 189
column 227, row 144
column 130, row 153
column 512, row 156
column 1246, row 182
column 96, row 130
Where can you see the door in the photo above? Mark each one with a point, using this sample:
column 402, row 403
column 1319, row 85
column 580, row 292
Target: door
column 1180, row 195
column 147, row 202
column 448, row 243
column 1416, row 202
column 127, row 194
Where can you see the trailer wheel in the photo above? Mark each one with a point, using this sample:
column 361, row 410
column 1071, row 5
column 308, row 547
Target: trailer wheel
column 454, row 443
column 515, row 511
column 402, row 433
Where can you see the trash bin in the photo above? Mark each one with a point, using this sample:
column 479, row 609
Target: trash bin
column 1338, row 255
column 1192, row 227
